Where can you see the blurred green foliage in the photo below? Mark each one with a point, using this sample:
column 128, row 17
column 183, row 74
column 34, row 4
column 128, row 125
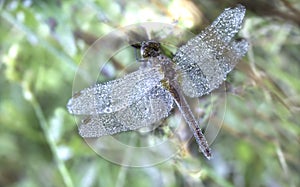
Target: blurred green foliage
column 42, row 43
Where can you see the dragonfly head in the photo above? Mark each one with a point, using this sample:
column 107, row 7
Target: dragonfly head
column 150, row 49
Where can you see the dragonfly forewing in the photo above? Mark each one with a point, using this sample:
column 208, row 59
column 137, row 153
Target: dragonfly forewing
column 115, row 95
column 205, row 60
column 228, row 23
column 154, row 106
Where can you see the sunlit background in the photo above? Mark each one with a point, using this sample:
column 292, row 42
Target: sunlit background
column 42, row 44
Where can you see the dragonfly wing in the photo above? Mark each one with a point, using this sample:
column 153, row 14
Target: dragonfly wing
column 205, row 60
column 228, row 23
column 116, row 94
column 155, row 105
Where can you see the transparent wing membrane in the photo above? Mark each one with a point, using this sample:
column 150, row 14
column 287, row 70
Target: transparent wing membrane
column 114, row 95
column 152, row 107
column 205, row 60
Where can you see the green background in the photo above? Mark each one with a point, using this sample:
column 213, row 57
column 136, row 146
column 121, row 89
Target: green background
column 42, row 44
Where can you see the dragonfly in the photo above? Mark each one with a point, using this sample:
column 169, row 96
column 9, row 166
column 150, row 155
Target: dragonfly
column 146, row 96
